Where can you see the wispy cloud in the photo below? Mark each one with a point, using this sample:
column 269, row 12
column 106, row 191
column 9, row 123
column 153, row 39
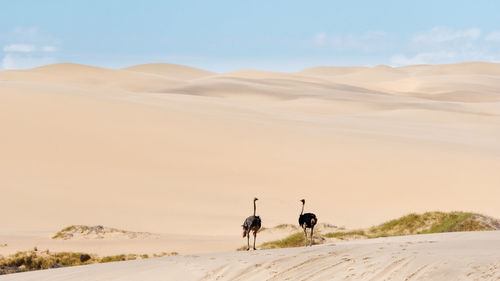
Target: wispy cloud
column 447, row 45
column 493, row 36
column 442, row 34
column 321, row 39
column 23, row 48
column 422, row 58
column 439, row 44
column 18, row 61
column 367, row 42
column 27, row 47
column 49, row 49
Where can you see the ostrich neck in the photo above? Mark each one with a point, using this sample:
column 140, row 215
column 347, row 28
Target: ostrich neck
column 254, row 207
column 302, row 209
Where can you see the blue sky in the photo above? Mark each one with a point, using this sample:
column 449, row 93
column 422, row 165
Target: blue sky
column 227, row 35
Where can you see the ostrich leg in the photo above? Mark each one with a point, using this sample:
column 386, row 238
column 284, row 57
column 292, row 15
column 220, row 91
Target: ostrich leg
column 248, row 239
column 312, row 229
column 305, row 235
column 254, row 237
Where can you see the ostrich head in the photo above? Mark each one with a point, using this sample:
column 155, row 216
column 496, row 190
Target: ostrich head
column 303, row 201
column 255, row 199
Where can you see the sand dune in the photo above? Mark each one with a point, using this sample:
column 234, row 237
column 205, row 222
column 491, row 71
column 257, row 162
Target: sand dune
column 146, row 149
column 89, row 77
column 449, row 256
column 170, row 70
column 16, row 241
column 476, row 80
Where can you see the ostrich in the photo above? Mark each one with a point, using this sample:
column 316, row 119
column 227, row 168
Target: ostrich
column 307, row 220
column 252, row 223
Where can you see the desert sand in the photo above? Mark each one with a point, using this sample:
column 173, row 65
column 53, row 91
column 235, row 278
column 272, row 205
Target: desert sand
column 137, row 243
column 183, row 243
column 447, row 256
column 181, row 152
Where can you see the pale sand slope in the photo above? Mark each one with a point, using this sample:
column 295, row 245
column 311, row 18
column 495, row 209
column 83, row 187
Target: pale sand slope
column 170, row 70
column 152, row 243
column 147, row 243
column 146, row 150
column 182, row 243
column 446, row 256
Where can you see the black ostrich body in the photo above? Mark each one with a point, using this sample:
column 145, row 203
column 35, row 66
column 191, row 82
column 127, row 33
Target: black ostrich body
column 253, row 223
column 308, row 219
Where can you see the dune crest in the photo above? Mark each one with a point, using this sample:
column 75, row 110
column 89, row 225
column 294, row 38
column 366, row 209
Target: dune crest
column 169, row 70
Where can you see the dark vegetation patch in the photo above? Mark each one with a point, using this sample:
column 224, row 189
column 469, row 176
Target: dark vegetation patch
column 36, row 260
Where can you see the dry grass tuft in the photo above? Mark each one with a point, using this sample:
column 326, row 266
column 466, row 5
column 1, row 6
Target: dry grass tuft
column 35, row 260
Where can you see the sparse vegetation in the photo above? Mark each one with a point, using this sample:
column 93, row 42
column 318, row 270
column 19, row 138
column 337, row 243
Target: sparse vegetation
column 294, row 240
column 343, row 235
column 113, row 258
column 284, row 225
column 430, row 222
column 62, row 234
column 242, row 248
column 162, row 254
column 96, row 232
column 459, row 221
column 85, row 257
column 26, row 261
column 433, row 222
column 33, row 260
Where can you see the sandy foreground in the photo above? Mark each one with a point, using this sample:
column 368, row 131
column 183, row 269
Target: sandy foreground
column 446, row 256
column 170, row 149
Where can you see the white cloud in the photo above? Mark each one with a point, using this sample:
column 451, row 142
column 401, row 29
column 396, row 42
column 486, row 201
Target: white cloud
column 19, row 56
column 23, row 48
column 26, row 31
column 21, row 61
column 423, row 58
column 31, row 35
column 49, row 48
column 27, row 47
column 436, row 45
column 367, row 42
column 447, row 45
column 441, row 34
column 438, row 57
column 320, row 39
column 493, row 36
column 445, row 39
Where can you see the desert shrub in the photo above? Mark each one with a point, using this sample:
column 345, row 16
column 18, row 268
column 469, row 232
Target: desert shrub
column 31, row 260
column 84, row 257
column 113, row 258
column 346, row 234
column 294, row 240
